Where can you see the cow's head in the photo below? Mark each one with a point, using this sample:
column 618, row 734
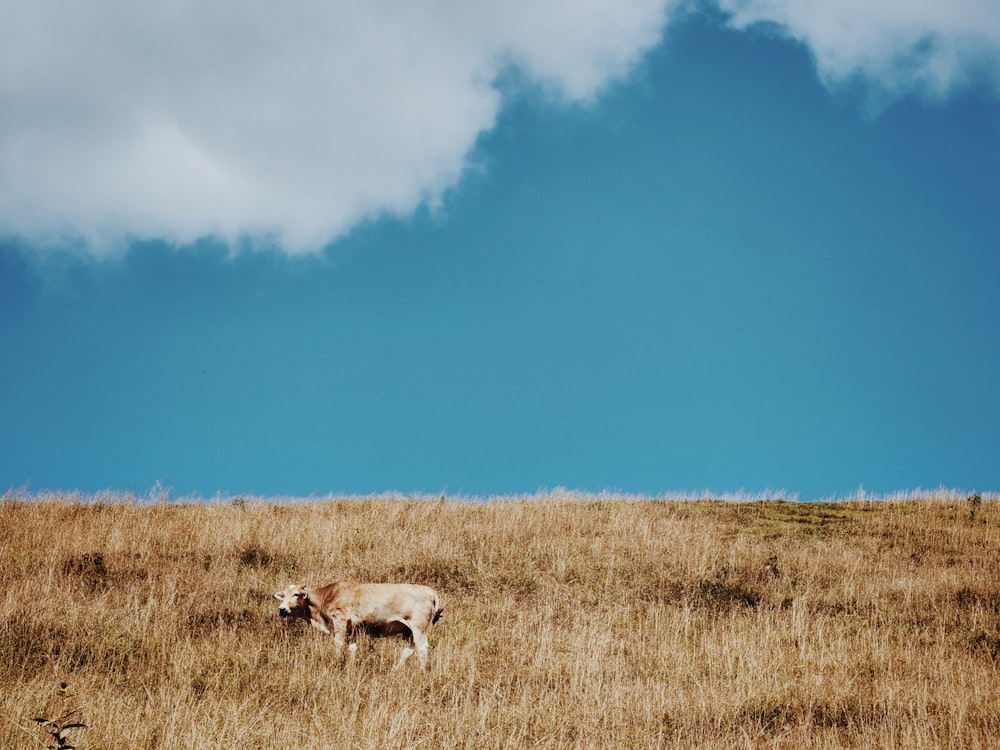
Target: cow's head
column 294, row 601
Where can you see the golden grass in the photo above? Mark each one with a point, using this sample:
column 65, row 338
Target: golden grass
column 569, row 623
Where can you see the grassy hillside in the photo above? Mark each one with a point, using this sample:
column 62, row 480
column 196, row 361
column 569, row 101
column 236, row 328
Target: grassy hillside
column 568, row 623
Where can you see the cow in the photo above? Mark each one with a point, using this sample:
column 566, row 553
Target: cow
column 342, row 608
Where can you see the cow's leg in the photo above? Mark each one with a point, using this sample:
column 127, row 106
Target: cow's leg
column 408, row 649
column 420, row 642
column 339, row 636
column 350, row 630
column 405, row 654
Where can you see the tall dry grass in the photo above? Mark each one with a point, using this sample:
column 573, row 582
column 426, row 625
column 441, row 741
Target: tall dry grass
column 568, row 623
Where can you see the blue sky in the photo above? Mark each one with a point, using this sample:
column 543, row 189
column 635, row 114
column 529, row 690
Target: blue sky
column 643, row 247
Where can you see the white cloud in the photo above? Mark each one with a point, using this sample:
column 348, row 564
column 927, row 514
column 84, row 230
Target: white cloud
column 927, row 47
column 295, row 122
column 123, row 120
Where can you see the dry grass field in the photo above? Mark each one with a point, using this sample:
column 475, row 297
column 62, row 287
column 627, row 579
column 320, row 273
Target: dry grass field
column 569, row 622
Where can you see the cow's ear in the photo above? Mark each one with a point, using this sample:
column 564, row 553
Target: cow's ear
column 278, row 595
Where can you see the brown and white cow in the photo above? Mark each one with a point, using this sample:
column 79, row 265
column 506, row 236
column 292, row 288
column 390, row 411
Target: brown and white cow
column 342, row 608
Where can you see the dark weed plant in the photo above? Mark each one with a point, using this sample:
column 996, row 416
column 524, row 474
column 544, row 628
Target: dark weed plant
column 59, row 730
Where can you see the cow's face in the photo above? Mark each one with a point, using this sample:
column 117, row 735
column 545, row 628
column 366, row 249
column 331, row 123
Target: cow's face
column 294, row 601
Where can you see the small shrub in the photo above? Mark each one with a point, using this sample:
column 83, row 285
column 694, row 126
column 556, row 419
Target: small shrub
column 255, row 557
column 985, row 644
column 975, row 502
column 95, row 574
column 90, row 568
column 721, row 592
column 258, row 557
column 445, row 575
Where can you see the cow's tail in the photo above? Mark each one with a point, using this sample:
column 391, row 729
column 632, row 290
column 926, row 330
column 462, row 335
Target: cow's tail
column 438, row 609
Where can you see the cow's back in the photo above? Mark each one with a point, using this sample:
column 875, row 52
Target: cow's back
column 373, row 603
